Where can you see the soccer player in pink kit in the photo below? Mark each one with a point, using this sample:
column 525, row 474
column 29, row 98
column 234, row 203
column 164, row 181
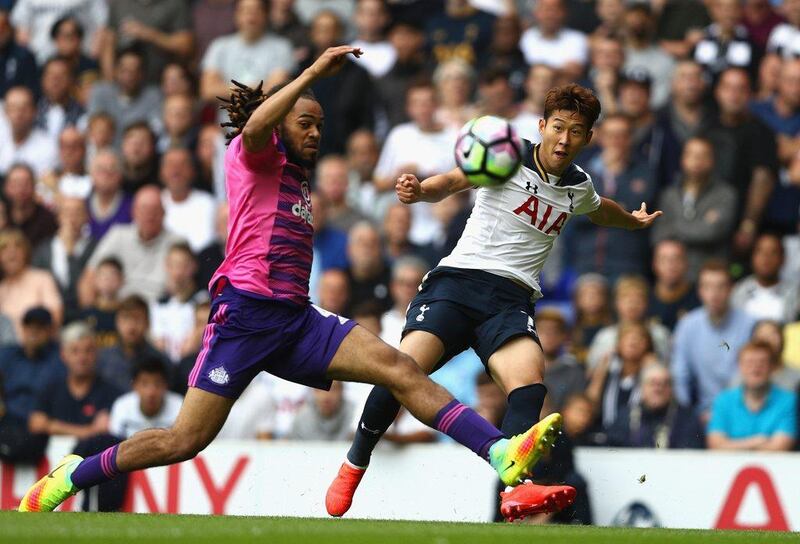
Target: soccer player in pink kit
column 261, row 318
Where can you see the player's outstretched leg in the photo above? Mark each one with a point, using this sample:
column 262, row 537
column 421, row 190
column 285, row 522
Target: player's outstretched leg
column 380, row 410
column 200, row 419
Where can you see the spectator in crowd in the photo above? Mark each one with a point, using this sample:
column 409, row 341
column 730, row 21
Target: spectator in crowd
column 505, row 53
column 539, row 80
column 368, row 315
column 563, row 374
column 250, row 55
column 368, row 272
column 99, row 134
column 462, row 31
column 65, row 254
column 422, row 147
column 253, row 415
column 407, row 274
column 101, row 313
column 454, row 81
column 283, row 21
column 784, row 40
column 762, row 294
column 781, row 113
column 67, row 35
column 769, row 74
column 162, row 31
column 17, row 64
column 210, row 156
column 327, row 417
column 212, row 255
column 24, row 287
column 210, row 20
column 57, row 108
column 139, row 158
column 334, row 292
column 631, row 294
column 348, row 98
column 24, row 212
column 757, row 415
column 579, row 414
column 128, row 98
column 20, row 139
column 700, row 210
column 371, row 19
column 172, row 316
column 745, row 153
column 619, row 174
column 634, row 91
column 616, row 381
column 115, row 363
column 177, row 120
column 496, row 96
column 77, row 406
column 108, row 204
column 592, row 311
column 604, row 70
column 330, row 243
column 69, row 179
column 149, row 404
column 141, row 247
column 178, row 80
column 396, row 228
column 308, row 10
column 34, row 21
column 550, row 43
column 362, row 157
column 673, row 294
column 657, row 420
column 189, row 212
column 24, row 367
column 725, row 42
column 707, row 341
column 682, row 118
column 408, row 41
column 759, row 18
column 611, row 20
column 192, row 346
column 771, row 332
column 641, row 53
column 332, row 182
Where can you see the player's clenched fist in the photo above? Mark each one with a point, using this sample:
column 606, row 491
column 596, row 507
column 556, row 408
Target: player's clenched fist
column 409, row 189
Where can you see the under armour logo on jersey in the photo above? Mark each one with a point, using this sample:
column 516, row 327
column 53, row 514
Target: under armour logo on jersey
column 528, row 187
column 422, row 309
column 571, row 195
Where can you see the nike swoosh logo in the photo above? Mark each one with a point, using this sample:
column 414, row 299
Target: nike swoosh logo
column 467, row 152
column 509, row 467
column 369, row 430
column 54, row 470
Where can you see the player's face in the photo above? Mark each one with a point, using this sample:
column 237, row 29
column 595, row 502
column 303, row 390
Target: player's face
column 564, row 134
column 301, row 132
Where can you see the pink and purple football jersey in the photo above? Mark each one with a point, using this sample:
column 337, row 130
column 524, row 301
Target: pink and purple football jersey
column 270, row 230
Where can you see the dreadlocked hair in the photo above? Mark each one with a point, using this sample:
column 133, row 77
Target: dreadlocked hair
column 243, row 102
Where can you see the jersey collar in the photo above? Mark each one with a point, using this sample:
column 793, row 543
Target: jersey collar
column 539, row 168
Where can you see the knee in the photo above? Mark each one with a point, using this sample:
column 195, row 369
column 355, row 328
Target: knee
column 404, row 372
column 183, row 446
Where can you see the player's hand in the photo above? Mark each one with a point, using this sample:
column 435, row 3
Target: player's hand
column 408, row 188
column 644, row 219
column 332, row 60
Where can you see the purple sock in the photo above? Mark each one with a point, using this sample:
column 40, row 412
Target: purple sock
column 466, row 427
column 96, row 469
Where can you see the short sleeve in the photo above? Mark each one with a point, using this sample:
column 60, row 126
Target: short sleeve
column 272, row 156
column 589, row 200
column 787, row 422
column 212, row 59
column 719, row 416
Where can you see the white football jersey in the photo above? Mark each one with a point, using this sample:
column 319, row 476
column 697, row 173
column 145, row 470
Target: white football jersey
column 512, row 227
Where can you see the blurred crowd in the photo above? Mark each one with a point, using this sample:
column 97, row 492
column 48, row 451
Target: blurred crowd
column 113, row 214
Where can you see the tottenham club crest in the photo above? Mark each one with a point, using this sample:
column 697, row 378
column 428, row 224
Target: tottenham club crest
column 422, row 309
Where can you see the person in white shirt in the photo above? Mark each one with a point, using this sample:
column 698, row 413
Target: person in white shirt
column 407, row 274
column 150, row 405
column 422, row 146
column 371, row 19
column 550, row 43
column 20, row 140
column 189, row 212
column 253, row 415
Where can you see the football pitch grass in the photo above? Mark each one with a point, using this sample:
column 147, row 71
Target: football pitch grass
column 77, row 528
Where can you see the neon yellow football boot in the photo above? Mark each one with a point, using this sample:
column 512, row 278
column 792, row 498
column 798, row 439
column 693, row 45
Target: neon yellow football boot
column 513, row 458
column 46, row 494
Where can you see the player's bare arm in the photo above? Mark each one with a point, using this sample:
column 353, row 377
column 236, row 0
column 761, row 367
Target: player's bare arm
column 433, row 189
column 611, row 214
column 270, row 113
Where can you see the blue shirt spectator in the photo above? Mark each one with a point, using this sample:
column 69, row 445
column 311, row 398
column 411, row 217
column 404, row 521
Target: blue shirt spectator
column 707, row 341
column 757, row 415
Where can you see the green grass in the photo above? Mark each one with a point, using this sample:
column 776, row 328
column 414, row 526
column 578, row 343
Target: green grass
column 77, row 528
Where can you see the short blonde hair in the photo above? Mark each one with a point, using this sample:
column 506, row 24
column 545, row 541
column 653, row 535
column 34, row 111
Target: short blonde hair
column 627, row 284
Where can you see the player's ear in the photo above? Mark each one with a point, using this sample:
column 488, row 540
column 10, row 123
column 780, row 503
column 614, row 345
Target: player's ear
column 542, row 124
column 589, row 137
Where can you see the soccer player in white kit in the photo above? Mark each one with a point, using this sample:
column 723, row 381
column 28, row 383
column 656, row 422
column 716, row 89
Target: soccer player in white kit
column 482, row 295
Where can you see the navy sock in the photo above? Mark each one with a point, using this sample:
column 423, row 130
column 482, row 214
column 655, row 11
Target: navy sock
column 380, row 411
column 524, row 409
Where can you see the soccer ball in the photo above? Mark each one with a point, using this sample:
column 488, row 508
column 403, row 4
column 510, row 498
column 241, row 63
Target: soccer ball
column 488, row 151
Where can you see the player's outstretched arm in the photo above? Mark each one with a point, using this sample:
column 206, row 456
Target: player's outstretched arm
column 611, row 214
column 270, row 113
column 433, row 189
